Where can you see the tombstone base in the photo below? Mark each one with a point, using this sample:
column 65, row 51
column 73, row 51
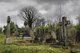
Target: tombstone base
column 8, row 40
column 27, row 38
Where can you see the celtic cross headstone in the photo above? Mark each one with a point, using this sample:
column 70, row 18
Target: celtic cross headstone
column 64, row 24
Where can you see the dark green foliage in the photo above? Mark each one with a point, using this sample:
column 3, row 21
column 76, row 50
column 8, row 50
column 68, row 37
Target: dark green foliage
column 21, row 30
column 12, row 28
column 77, row 33
column 0, row 30
column 41, row 31
column 58, row 31
column 5, row 29
column 77, row 27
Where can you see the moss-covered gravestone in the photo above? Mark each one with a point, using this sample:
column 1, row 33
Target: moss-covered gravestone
column 8, row 38
column 63, row 25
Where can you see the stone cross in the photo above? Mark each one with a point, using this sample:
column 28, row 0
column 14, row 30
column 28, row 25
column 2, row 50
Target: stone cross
column 64, row 24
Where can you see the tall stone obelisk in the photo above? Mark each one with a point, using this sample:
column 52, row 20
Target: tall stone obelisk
column 8, row 38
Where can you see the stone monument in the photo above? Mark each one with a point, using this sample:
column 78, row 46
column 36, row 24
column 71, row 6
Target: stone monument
column 63, row 25
column 8, row 38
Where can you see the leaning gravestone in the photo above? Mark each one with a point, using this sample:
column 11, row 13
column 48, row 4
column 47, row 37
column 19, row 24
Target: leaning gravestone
column 8, row 38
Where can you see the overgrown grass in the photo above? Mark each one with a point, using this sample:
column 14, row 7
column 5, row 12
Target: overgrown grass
column 28, row 49
column 12, row 48
column 2, row 39
column 25, row 49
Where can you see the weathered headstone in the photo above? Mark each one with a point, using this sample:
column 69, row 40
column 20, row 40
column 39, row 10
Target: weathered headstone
column 64, row 24
column 8, row 38
column 53, row 35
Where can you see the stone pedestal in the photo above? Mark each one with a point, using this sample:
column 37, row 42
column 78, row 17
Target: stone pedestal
column 27, row 38
column 9, row 40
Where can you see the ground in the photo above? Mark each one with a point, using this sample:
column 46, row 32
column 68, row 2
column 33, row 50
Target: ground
column 15, row 48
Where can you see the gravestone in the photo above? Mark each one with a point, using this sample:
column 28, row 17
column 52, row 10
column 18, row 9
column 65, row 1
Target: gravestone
column 8, row 38
column 54, row 37
column 64, row 24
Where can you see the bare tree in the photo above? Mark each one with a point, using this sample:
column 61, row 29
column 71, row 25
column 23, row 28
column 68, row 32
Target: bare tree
column 29, row 14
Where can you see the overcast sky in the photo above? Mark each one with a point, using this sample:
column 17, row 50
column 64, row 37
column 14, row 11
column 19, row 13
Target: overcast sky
column 48, row 8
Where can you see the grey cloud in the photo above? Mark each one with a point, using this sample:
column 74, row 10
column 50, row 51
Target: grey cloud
column 72, row 7
column 8, row 0
column 53, row 1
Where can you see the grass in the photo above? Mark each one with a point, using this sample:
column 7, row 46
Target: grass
column 12, row 48
column 2, row 38
column 28, row 49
